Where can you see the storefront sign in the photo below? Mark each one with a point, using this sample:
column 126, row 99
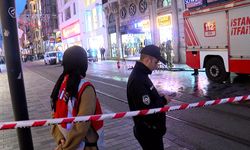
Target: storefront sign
column 143, row 6
column 135, row 27
column 132, row 9
column 210, row 29
column 123, row 12
column 71, row 30
column 193, row 3
column 144, row 24
column 165, row 20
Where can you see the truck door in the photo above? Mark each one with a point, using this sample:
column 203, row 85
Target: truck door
column 239, row 29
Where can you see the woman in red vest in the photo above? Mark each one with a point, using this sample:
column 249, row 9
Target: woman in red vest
column 74, row 96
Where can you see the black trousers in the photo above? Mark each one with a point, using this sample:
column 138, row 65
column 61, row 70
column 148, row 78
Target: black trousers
column 102, row 56
column 149, row 142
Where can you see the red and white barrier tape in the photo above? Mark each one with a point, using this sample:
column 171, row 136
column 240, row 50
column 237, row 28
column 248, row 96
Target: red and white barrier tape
column 47, row 122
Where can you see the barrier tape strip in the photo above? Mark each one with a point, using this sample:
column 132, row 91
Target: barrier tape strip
column 47, row 122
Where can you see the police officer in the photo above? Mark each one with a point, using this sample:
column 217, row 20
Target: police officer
column 142, row 94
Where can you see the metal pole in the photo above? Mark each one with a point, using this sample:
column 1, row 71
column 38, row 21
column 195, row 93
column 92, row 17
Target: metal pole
column 14, row 70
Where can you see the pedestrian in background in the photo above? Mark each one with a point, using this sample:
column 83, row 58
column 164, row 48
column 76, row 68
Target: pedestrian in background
column 163, row 50
column 74, row 96
column 1, row 62
column 102, row 53
column 142, row 94
column 170, row 54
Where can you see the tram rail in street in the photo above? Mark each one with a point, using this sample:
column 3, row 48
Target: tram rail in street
column 201, row 127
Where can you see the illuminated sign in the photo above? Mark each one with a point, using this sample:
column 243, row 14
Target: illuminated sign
column 146, row 24
column 165, row 20
column 142, row 24
column 71, row 30
column 193, row 3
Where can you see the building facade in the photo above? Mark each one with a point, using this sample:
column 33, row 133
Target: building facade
column 70, row 22
column 50, row 30
column 1, row 41
column 94, row 26
column 24, row 26
column 82, row 23
column 29, row 22
column 131, row 25
column 34, row 33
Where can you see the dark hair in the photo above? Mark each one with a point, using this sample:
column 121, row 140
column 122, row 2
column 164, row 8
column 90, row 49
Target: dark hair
column 75, row 64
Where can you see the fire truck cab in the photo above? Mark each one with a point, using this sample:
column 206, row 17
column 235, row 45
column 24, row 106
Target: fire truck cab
column 217, row 38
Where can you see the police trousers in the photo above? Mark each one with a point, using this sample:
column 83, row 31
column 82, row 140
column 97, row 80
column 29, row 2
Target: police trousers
column 149, row 142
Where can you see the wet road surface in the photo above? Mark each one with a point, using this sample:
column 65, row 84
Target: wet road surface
column 219, row 127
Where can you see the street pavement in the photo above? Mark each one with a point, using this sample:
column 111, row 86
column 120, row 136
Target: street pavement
column 118, row 133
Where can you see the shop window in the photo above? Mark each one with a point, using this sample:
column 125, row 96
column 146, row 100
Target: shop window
column 104, row 1
column 88, row 22
column 34, row 7
column 111, row 18
column 55, row 23
column 99, row 13
column 53, row 9
column 163, row 3
column 37, row 34
column 48, row 11
column 89, row 2
column 62, row 17
column 66, row 1
column 95, row 19
column 93, row 1
column 165, row 27
column 166, row 3
column 67, row 14
column 74, row 7
column 86, row 3
column 114, row 50
column 133, row 43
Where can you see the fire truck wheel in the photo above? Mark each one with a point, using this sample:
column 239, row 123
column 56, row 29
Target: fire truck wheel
column 216, row 71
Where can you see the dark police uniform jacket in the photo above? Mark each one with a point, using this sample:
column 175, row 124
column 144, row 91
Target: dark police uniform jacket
column 142, row 94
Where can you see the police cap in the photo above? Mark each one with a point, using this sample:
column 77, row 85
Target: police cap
column 153, row 51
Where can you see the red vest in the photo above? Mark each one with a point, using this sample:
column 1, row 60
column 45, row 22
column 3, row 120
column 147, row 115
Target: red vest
column 62, row 106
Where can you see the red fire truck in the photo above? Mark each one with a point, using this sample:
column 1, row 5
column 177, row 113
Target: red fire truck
column 217, row 38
